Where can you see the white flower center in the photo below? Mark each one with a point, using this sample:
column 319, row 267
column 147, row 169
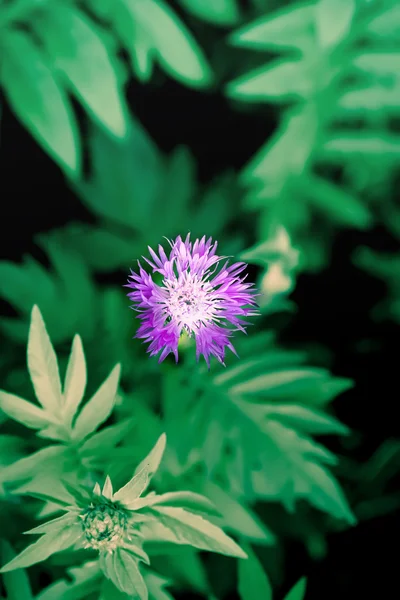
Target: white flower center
column 190, row 302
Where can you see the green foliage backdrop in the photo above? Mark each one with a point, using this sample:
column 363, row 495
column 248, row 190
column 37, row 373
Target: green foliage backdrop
column 249, row 464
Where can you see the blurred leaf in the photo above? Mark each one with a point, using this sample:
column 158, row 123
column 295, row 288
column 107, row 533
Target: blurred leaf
column 253, row 581
column 219, row 12
column 333, row 19
column 170, row 41
column 78, row 52
column 288, row 27
column 16, row 584
column 37, row 99
column 298, row 591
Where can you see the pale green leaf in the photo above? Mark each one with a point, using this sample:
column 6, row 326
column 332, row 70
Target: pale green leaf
column 253, row 581
column 123, row 570
column 190, row 529
column 184, row 499
column 277, row 383
column 333, row 20
column 298, row 591
column 107, row 490
column 156, row 584
column 289, row 27
column 153, row 459
column 16, row 584
column 129, row 493
column 305, row 419
column 48, row 544
column 78, row 52
column 43, row 365
column 38, row 100
column 75, row 380
column 282, row 80
column 237, row 517
column 344, row 144
column 22, row 411
column 98, row 408
column 99, row 444
column 176, row 49
column 56, row 524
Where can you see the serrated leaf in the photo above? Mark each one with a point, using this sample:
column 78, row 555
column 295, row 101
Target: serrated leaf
column 38, row 100
column 175, row 48
column 22, row 411
column 253, row 581
column 75, row 380
column 219, row 12
column 123, row 570
column 288, row 27
column 187, row 528
column 16, row 585
column 298, row 591
column 43, row 365
column 48, row 544
column 333, row 20
column 56, row 524
column 98, row 408
column 78, row 52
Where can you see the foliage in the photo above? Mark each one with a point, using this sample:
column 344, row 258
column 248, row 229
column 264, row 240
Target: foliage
column 255, row 450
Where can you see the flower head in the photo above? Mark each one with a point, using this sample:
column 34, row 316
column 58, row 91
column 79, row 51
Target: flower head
column 197, row 296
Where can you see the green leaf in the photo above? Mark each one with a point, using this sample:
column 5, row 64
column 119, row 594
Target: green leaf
column 43, row 365
column 98, row 408
column 133, row 489
column 282, row 80
column 183, row 527
column 24, row 412
column 99, row 444
column 156, row 584
column 153, row 459
column 333, row 19
column 78, row 52
column 219, row 12
column 237, row 517
column 37, row 99
column 278, row 383
column 298, row 591
column 305, row 419
column 175, row 48
column 253, row 581
column 185, row 499
column 16, row 584
column 289, row 27
column 75, row 380
column 56, row 524
column 123, row 570
column 48, row 544
column 107, row 490
column 343, row 144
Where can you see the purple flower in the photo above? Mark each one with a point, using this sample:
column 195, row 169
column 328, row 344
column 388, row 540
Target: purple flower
column 197, row 296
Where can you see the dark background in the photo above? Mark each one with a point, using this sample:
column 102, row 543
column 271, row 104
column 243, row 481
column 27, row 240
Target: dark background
column 333, row 306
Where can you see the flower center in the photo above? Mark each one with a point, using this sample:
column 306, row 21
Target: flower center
column 104, row 526
column 190, row 302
